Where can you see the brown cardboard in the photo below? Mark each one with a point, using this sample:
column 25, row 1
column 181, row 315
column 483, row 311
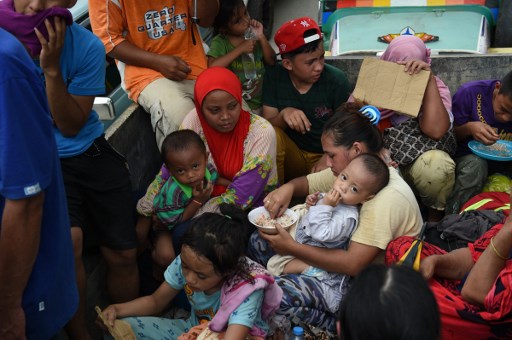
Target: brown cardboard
column 385, row 84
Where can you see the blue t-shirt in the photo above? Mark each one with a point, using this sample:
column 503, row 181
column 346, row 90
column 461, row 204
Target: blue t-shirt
column 29, row 165
column 82, row 63
column 205, row 306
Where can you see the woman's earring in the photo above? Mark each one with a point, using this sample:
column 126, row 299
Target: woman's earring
column 372, row 113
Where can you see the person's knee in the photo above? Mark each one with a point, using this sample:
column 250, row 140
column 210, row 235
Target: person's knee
column 434, row 166
column 120, row 258
column 433, row 172
column 471, row 166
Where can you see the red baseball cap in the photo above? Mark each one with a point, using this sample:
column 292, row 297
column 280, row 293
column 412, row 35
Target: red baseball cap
column 290, row 36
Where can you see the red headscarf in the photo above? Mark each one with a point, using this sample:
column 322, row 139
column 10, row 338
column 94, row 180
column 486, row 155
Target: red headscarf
column 227, row 148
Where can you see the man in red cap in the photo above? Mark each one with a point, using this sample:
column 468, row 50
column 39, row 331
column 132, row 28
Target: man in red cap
column 299, row 95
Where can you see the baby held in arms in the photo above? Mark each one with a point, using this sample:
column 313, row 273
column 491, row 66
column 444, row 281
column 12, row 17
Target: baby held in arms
column 332, row 217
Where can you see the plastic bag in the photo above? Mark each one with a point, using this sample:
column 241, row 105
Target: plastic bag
column 497, row 183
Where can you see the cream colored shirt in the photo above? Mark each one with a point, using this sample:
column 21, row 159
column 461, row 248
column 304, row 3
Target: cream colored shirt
column 393, row 212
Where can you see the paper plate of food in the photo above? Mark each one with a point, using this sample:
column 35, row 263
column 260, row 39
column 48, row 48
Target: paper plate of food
column 499, row 151
column 260, row 217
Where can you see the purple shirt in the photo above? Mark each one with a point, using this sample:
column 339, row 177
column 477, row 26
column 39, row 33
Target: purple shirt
column 473, row 102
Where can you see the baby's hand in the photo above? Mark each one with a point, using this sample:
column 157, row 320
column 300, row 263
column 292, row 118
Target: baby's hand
column 332, row 198
column 202, row 193
column 312, row 199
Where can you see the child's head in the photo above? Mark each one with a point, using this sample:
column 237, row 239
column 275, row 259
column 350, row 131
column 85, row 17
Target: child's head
column 362, row 179
column 301, row 48
column 212, row 247
column 185, row 156
column 232, row 18
column 389, row 303
column 502, row 99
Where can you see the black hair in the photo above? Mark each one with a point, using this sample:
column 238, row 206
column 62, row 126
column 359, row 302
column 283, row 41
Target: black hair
column 376, row 166
column 348, row 126
column 307, row 48
column 227, row 8
column 181, row 140
column 221, row 238
column 389, row 303
column 506, row 85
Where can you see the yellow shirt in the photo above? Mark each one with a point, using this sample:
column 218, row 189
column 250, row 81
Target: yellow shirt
column 393, row 212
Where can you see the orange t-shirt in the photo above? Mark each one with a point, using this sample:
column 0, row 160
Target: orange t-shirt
column 158, row 26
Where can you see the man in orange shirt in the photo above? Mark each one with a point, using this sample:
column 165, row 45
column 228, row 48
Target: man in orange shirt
column 158, row 50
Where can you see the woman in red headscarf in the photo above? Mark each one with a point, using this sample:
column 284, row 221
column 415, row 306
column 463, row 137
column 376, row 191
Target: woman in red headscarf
column 241, row 146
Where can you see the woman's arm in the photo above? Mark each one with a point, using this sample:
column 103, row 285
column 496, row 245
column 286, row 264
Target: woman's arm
column 278, row 200
column 258, row 173
column 453, row 265
column 434, row 120
column 350, row 261
column 485, row 271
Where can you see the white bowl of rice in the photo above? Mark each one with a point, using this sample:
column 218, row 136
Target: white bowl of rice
column 260, row 217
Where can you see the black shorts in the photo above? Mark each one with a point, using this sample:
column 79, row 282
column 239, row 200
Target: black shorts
column 99, row 195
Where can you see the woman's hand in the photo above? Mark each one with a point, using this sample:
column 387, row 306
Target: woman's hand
column 278, row 200
column 414, row 66
column 385, row 155
column 282, row 242
column 483, row 133
column 428, row 266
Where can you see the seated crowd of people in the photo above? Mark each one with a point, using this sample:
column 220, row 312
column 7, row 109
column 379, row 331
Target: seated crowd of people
column 238, row 130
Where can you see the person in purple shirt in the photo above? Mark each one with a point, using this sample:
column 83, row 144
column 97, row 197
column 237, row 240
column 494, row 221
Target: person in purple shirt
column 482, row 111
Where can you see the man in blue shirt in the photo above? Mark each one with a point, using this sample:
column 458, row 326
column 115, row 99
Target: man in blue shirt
column 97, row 182
column 38, row 292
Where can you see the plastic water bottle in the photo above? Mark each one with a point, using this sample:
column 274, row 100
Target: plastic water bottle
column 248, row 58
column 298, row 333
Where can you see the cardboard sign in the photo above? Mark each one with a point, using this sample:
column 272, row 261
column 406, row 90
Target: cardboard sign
column 385, row 84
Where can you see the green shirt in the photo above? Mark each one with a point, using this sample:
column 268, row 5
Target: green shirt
column 319, row 103
column 251, row 90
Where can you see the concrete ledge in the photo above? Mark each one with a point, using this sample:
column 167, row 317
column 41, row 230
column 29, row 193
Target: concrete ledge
column 453, row 70
column 132, row 135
